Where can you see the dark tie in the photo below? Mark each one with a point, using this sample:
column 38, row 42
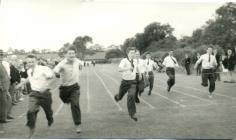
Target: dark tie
column 209, row 60
column 148, row 62
column 32, row 72
column 173, row 60
column 132, row 63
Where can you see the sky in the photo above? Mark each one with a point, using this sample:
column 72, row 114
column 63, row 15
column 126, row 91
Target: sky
column 48, row 24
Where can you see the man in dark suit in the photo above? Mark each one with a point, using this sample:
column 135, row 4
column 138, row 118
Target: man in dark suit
column 187, row 62
column 218, row 60
column 229, row 63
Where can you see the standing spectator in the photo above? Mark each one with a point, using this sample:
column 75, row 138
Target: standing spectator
column 199, row 67
column 218, row 60
column 4, row 87
column 187, row 62
column 229, row 63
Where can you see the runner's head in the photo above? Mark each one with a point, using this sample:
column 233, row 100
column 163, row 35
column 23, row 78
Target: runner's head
column 209, row 50
column 31, row 61
column 131, row 52
column 137, row 54
column 170, row 52
column 229, row 52
column 148, row 55
column 215, row 51
column 70, row 54
column 186, row 55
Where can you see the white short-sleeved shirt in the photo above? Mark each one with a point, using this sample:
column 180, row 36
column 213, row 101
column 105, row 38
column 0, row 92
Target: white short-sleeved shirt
column 205, row 61
column 169, row 62
column 127, row 75
column 140, row 64
column 150, row 65
column 38, row 78
column 69, row 73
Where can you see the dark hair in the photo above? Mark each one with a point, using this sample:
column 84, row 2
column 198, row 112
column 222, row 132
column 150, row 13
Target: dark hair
column 71, row 49
column 148, row 53
column 130, row 49
column 31, row 56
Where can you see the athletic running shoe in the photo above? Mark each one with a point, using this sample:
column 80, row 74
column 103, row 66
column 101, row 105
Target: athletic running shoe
column 21, row 99
column 78, row 128
column 168, row 89
column 134, row 118
column 31, row 132
column 210, row 95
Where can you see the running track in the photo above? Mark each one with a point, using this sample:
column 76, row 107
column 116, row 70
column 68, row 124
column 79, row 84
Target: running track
column 185, row 112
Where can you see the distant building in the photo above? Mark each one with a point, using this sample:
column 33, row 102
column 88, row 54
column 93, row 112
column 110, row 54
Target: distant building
column 98, row 57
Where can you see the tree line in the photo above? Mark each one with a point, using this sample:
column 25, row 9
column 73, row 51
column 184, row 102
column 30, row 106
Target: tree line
column 158, row 38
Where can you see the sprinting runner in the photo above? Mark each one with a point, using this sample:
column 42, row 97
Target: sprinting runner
column 39, row 78
column 150, row 65
column 170, row 63
column 128, row 83
column 208, row 66
column 219, row 61
column 68, row 69
column 139, row 75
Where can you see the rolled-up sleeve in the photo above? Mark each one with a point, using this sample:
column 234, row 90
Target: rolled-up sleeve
column 57, row 68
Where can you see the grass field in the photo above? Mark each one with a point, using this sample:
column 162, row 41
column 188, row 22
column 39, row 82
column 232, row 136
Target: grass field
column 185, row 112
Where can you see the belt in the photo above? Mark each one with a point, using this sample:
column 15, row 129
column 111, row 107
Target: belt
column 40, row 91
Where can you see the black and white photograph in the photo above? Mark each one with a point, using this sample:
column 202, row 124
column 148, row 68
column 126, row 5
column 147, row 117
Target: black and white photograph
column 117, row 69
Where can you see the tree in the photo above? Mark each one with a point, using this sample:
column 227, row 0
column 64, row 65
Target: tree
column 33, row 51
column 129, row 42
column 153, row 34
column 80, row 43
column 64, row 48
column 96, row 47
column 114, row 53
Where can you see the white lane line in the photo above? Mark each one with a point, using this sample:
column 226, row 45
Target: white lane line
column 108, row 91
column 151, row 106
column 87, row 93
column 23, row 114
column 215, row 93
column 173, row 101
column 190, row 87
column 180, row 92
column 115, row 81
column 59, row 109
column 170, row 100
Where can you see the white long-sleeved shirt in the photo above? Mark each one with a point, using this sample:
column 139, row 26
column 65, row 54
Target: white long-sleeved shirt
column 39, row 78
column 205, row 61
column 168, row 62
column 140, row 63
column 127, row 75
column 150, row 65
